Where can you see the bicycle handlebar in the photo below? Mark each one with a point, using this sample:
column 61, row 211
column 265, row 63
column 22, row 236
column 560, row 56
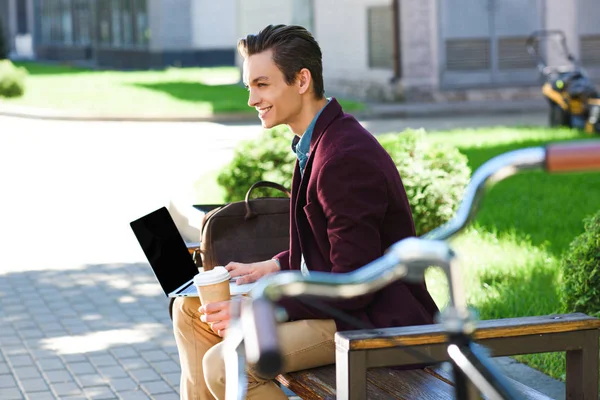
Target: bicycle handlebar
column 407, row 259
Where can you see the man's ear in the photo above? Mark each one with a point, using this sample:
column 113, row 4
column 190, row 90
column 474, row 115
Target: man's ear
column 304, row 80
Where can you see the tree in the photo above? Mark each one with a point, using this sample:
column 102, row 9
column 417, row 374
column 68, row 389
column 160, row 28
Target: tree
column 3, row 43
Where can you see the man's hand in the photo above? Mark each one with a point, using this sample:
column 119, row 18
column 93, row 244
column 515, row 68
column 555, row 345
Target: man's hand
column 249, row 273
column 217, row 316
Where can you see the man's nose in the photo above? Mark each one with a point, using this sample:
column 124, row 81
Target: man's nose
column 253, row 98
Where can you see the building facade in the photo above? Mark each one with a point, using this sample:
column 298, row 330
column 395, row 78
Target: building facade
column 376, row 49
column 130, row 33
column 433, row 49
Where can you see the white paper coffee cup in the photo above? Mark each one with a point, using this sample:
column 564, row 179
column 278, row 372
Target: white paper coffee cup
column 213, row 285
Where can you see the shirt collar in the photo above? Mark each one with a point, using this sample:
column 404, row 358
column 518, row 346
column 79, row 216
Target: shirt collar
column 301, row 145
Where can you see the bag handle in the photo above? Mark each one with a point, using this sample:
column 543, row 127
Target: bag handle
column 265, row 184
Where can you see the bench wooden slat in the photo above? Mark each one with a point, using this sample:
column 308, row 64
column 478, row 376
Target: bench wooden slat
column 410, row 384
column 382, row 384
column 488, row 329
column 525, row 391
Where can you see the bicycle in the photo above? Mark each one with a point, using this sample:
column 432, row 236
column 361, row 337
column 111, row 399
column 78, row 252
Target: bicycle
column 252, row 332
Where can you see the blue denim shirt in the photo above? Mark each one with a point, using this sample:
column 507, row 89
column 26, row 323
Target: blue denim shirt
column 301, row 146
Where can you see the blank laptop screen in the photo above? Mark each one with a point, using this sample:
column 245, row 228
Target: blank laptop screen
column 165, row 249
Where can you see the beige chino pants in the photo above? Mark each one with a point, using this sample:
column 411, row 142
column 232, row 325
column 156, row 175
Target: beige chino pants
column 304, row 344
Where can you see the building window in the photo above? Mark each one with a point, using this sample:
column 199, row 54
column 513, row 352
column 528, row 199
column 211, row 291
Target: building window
column 380, row 37
column 103, row 11
column 81, row 22
column 142, row 32
column 66, row 21
column 117, row 39
column 117, row 22
column 128, row 25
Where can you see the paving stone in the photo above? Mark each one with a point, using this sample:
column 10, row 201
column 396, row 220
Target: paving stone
column 66, row 389
column 122, row 384
column 27, row 372
column 124, row 352
column 23, row 323
column 166, row 396
column 133, row 395
column 99, row 393
column 31, row 333
column 9, row 340
column 145, row 346
column 10, row 394
column 52, row 326
column 132, row 364
column 21, row 360
column 83, row 367
column 4, row 369
column 59, row 376
column 172, row 379
column 90, row 380
column 71, row 358
column 165, row 367
column 144, row 375
column 7, row 331
column 34, row 385
column 15, row 350
column 103, row 360
column 155, row 355
column 46, row 395
column 157, row 387
column 50, row 363
column 14, row 308
column 7, row 381
column 113, row 372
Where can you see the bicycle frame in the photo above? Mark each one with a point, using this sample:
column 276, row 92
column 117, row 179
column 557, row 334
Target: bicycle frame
column 407, row 259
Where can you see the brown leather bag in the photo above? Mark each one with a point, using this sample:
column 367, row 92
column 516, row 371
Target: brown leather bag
column 246, row 231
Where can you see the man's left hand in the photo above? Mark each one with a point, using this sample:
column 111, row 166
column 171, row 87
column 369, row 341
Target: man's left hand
column 217, row 316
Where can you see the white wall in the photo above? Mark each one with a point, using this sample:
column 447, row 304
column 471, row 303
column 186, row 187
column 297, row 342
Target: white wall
column 170, row 24
column 254, row 15
column 420, row 43
column 214, row 24
column 561, row 14
column 341, row 30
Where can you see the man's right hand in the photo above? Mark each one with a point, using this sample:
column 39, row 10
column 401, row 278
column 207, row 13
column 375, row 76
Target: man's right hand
column 252, row 272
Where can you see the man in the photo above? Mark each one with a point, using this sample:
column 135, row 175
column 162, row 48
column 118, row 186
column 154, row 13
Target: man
column 348, row 206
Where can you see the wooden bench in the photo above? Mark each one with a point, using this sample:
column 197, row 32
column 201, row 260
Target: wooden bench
column 362, row 357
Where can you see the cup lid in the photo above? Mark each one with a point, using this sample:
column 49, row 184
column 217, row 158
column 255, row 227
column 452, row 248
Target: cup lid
column 215, row 275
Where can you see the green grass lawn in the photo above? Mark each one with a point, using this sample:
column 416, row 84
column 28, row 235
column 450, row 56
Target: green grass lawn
column 511, row 254
column 173, row 91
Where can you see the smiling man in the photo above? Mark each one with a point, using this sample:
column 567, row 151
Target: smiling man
column 348, row 206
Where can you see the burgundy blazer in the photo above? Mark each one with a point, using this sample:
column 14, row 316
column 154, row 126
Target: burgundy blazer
column 346, row 210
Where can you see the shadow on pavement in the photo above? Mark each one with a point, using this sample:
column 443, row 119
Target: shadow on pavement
column 102, row 331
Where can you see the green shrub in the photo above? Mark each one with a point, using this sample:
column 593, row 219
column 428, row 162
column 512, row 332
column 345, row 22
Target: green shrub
column 434, row 174
column 12, row 79
column 269, row 158
column 581, row 270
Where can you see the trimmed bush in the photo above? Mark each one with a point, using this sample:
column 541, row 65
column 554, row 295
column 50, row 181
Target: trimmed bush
column 12, row 79
column 269, row 158
column 581, row 270
column 434, row 174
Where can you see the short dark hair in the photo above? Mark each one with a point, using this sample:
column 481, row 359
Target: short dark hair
column 293, row 48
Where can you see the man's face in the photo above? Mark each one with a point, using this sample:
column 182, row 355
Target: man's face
column 276, row 101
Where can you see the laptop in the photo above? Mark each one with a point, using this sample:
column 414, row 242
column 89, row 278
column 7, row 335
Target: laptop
column 168, row 255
